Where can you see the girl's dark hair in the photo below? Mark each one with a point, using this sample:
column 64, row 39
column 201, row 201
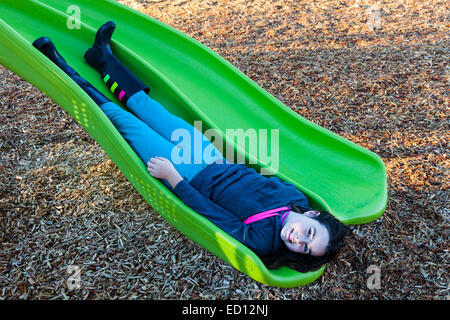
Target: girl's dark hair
column 304, row 262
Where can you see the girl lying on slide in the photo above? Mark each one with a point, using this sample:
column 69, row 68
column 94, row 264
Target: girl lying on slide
column 268, row 215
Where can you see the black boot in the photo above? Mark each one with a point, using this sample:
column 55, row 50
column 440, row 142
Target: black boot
column 122, row 83
column 46, row 46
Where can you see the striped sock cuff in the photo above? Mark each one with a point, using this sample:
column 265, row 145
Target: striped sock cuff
column 115, row 89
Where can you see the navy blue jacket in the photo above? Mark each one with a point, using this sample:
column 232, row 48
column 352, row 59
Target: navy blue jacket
column 227, row 194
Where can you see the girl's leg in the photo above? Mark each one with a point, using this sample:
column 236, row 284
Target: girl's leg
column 146, row 142
column 47, row 47
column 173, row 128
column 120, row 81
column 132, row 93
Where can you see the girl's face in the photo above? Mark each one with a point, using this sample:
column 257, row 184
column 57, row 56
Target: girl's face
column 303, row 234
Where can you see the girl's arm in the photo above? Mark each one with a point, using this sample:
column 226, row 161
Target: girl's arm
column 252, row 235
column 162, row 168
column 258, row 237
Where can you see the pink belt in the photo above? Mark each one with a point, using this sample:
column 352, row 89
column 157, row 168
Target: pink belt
column 267, row 214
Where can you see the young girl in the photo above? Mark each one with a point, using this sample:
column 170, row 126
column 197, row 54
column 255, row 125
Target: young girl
column 268, row 215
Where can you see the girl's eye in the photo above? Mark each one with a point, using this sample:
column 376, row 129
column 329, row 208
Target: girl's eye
column 312, row 233
column 309, row 232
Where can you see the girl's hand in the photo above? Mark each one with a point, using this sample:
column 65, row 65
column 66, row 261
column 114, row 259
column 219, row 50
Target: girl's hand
column 162, row 168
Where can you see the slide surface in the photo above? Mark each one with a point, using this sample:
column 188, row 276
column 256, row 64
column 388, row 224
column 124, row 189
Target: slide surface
column 195, row 83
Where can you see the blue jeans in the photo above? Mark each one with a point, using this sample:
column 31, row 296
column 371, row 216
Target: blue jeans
column 149, row 132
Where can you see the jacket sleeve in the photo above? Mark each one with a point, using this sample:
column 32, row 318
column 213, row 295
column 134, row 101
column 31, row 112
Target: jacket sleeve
column 255, row 238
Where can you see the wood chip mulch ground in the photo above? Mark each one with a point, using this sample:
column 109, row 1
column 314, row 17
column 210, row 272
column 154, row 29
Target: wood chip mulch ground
column 375, row 72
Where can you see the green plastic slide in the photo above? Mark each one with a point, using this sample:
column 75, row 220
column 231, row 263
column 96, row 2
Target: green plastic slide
column 195, row 83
